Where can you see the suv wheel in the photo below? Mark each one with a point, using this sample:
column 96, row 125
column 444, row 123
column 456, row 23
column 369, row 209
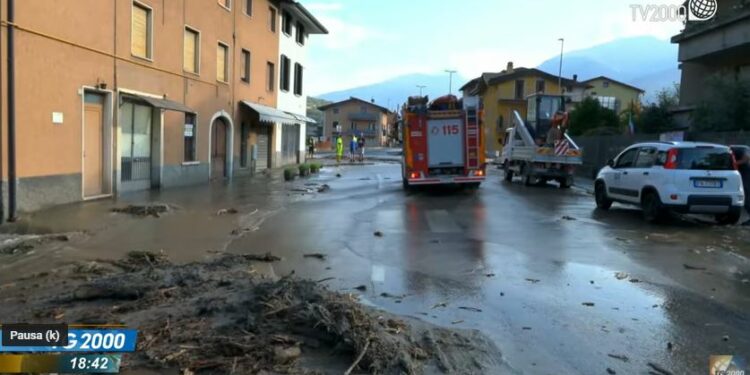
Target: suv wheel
column 600, row 194
column 653, row 210
column 730, row 218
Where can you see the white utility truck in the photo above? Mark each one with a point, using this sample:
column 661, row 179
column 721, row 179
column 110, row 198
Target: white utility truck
column 538, row 149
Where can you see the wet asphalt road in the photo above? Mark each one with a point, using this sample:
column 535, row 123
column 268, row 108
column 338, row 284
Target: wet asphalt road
column 536, row 269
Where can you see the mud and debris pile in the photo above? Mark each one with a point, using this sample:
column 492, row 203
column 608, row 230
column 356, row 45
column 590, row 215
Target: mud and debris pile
column 24, row 243
column 219, row 317
column 153, row 210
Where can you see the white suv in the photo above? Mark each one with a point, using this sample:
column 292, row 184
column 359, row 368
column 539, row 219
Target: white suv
column 683, row 177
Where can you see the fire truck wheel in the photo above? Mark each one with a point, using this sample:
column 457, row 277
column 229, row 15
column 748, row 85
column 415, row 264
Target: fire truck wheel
column 407, row 187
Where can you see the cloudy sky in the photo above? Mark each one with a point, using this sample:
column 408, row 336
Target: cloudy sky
column 373, row 40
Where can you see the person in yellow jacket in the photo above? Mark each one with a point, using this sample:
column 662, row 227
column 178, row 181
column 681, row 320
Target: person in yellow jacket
column 339, row 149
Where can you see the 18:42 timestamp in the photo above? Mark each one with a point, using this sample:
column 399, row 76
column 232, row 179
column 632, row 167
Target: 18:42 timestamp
column 92, row 363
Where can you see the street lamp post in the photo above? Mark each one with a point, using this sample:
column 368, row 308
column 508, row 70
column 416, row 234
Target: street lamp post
column 559, row 76
column 420, row 89
column 450, row 80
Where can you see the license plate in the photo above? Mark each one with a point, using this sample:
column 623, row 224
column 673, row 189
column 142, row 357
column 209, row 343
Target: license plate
column 715, row 184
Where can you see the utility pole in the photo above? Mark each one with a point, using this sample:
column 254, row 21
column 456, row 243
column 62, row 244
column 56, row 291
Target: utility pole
column 559, row 76
column 450, row 80
column 420, row 89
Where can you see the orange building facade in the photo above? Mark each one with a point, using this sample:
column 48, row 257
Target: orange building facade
column 113, row 96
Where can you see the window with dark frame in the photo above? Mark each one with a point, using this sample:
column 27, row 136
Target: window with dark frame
column 284, row 73
column 189, row 133
column 245, row 73
column 540, row 85
column 272, row 19
column 286, row 23
column 300, row 33
column 298, row 71
column 270, row 76
column 519, row 89
column 249, row 7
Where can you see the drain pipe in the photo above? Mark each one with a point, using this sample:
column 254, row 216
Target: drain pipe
column 11, row 114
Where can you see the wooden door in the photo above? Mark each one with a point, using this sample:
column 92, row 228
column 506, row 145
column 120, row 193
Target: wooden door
column 218, row 150
column 93, row 148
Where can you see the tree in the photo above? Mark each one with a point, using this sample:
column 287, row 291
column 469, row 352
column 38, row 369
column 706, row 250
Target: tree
column 590, row 117
column 656, row 117
column 726, row 106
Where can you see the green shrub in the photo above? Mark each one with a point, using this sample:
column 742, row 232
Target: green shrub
column 290, row 173
column 304, row 170
column 315, row 167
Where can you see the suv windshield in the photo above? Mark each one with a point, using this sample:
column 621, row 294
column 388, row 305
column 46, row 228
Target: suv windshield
column 705, row 158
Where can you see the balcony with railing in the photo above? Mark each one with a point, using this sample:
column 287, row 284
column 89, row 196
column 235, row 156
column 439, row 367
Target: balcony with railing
column 364, row 116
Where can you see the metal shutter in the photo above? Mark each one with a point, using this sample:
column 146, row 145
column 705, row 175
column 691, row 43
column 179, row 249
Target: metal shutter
column 262, row 149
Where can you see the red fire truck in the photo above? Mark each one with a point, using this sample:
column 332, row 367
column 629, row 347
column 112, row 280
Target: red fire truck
column 443, row 143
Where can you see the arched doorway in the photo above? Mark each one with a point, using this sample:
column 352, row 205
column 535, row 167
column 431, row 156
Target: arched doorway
column 219, row 149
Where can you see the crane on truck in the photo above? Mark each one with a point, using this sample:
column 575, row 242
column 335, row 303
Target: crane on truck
column 539, row 149
column 443, row 143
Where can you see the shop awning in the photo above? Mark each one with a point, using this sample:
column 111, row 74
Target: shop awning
column 302, row 118
column 268, row 114
column 163, row 103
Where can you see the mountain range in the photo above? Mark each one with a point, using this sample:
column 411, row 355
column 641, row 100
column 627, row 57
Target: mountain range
column 393, row 92
column 645, row 62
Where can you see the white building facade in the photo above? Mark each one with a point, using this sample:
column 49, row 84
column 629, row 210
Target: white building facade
column 297, row 24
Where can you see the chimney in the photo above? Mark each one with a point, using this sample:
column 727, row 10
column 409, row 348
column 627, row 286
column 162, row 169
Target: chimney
column 575, row 77
column 372, row 100
column 509, row 69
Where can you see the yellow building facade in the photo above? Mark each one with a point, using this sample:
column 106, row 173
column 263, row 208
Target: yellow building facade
column 505, row 92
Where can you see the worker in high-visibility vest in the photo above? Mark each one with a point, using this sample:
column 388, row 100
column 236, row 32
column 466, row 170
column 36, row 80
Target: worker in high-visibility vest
column 339, row 149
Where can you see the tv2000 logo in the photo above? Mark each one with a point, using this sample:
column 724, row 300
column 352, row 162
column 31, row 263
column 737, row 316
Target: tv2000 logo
column 694, row 10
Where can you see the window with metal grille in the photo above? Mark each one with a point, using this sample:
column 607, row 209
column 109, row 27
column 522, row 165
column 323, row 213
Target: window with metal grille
column 189, row 137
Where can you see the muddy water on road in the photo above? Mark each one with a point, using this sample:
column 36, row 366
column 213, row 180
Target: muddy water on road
column 558, row 285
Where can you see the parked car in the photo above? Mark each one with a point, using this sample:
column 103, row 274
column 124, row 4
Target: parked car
column 682, row 177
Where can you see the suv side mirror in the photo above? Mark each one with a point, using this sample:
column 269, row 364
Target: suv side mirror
column 611, row 163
